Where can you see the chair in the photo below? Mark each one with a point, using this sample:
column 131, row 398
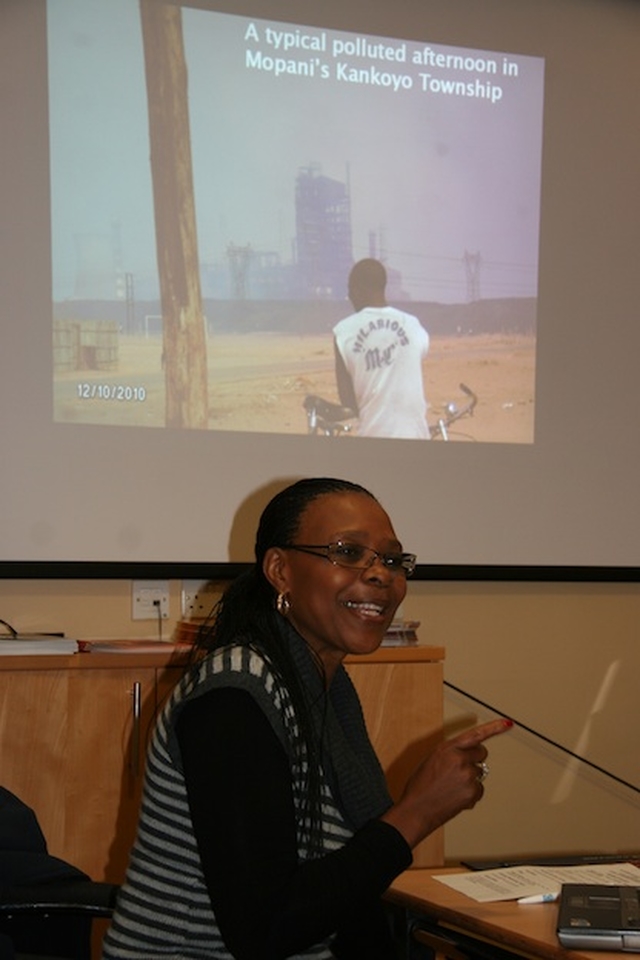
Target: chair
column 47, row 906
column 53, row 919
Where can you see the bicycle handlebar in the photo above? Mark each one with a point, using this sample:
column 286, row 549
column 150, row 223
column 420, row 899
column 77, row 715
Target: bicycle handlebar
column 328, row 418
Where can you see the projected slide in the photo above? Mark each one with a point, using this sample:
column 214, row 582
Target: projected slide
column 214, row 179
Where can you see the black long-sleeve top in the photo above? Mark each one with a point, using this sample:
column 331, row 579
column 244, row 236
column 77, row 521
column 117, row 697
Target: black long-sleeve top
column 268, row 904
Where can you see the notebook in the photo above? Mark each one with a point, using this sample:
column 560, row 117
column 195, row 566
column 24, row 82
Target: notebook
column 593, row 916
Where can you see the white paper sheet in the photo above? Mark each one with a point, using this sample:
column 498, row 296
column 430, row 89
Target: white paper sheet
column 511, row 883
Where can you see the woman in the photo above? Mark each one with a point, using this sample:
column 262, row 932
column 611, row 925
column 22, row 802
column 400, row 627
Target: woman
column 266, row 828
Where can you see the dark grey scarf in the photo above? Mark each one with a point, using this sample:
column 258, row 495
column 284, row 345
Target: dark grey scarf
column 350, row 763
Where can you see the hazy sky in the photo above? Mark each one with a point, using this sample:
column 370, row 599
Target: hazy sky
column 434, row 169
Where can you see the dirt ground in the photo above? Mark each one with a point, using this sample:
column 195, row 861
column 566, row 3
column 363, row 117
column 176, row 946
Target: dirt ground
column 258, row 383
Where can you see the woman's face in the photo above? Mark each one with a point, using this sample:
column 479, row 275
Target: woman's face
column 339, row 610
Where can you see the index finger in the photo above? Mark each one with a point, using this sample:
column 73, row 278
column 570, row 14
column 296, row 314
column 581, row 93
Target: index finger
column 471, row 738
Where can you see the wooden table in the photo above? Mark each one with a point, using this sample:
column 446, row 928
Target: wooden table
column 527, row 930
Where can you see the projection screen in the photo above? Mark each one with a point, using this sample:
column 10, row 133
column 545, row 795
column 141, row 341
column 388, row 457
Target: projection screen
column 186, row 189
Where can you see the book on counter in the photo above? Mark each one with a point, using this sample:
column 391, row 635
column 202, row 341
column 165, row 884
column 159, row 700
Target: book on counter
column 20, row 645
column 401, row 633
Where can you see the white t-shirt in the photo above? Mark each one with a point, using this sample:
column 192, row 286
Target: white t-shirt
column 383, row 349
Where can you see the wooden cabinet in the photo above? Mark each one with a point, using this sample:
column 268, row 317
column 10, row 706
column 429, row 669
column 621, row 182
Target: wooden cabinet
column 33, row 742
column 74, row 730
column 110, row 712
column 72, row 740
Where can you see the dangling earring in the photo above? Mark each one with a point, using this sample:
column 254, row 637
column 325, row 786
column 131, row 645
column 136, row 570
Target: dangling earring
column 283, row 604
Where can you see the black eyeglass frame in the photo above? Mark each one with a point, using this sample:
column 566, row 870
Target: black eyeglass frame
column 407, row 561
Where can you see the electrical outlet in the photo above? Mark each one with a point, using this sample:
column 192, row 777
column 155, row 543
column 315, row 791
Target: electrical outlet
column 198, row 598
column 148, row 597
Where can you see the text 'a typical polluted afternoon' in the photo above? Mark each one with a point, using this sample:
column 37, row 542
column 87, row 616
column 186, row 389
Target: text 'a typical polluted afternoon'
column 374, row 62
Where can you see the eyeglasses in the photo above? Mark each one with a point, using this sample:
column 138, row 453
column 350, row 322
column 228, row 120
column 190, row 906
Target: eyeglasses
column 357, row 557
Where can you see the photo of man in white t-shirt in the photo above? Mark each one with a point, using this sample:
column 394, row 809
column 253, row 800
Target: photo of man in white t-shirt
column 379, row 352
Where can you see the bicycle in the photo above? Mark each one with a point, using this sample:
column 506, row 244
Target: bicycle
column 452, row 412
column 328, row 419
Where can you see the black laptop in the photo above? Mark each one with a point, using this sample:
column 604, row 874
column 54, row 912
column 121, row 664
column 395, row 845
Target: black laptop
column 595, row 916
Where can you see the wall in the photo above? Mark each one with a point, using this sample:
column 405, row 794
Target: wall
column 562, row 659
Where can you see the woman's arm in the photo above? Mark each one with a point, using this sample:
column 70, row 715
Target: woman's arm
column 239, row 787
column 446, row 782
